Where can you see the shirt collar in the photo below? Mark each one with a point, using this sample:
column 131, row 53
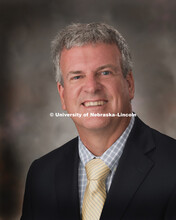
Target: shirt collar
column 112, row 155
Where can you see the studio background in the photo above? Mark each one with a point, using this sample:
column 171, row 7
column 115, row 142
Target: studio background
column 29, row 93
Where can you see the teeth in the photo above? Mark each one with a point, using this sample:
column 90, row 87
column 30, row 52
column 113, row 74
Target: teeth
column 97, row 103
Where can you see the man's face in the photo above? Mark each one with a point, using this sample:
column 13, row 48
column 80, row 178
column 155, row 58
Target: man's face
column 94, row 83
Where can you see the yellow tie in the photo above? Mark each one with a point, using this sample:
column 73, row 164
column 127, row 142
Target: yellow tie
column 95, row 193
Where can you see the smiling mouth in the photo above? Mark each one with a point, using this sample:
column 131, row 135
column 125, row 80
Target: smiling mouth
column 94, row 103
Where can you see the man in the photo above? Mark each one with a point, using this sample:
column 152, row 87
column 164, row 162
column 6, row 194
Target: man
column 138, row 182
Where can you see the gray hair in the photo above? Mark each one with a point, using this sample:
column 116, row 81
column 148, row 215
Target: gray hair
column 78, row 34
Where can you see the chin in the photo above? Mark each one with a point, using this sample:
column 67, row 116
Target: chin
column 94, row 123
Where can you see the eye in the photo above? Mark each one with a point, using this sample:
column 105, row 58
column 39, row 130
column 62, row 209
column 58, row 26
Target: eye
column 105, row 73
column 76, row 77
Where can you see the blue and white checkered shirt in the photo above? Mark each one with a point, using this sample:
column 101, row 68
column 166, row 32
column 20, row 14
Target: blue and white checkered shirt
column 111, row 158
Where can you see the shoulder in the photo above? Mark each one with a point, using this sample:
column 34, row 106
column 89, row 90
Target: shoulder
column 165, row 147
column 162, row 138
column 163, row 144
column 157, row 136
column 56, row 156
column 66, row 148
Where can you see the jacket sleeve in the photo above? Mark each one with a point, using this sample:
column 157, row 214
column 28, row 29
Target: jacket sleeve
column 171, row 208
column 27, row 213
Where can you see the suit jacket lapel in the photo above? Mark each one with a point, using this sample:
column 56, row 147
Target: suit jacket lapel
column 134, row 166
column 67, row 182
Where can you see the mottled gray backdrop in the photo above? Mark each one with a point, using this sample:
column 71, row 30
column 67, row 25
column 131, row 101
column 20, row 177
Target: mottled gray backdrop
column 27, row 86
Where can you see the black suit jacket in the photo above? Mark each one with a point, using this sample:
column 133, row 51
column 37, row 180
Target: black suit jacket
column 143, row 187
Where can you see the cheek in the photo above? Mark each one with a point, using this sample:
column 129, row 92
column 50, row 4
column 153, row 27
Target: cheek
column 70, row 99
column 116, row 89
column 119, row 93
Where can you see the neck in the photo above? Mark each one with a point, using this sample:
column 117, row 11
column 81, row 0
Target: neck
column 98, row 141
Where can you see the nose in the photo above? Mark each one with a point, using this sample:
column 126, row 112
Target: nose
column 92, row 84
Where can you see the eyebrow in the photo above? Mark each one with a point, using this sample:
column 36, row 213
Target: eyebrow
column 115, row 68
column 74, row 72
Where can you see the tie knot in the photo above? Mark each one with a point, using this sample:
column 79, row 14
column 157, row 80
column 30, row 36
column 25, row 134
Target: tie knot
column 96, row 169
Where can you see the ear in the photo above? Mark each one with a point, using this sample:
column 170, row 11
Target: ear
column 61, row 93
column 130, row 84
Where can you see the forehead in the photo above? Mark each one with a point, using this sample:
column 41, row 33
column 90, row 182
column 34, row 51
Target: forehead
column 90, row 55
